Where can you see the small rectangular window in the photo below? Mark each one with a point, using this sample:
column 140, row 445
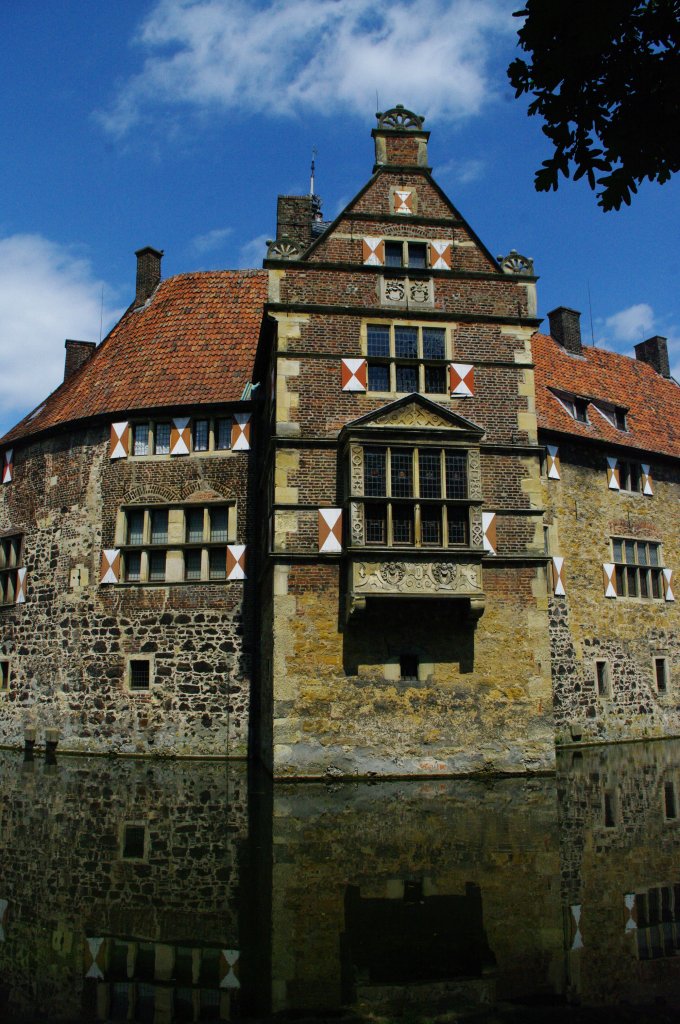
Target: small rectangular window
column 407, row 379
column 134, row 842
column 223, row 438
column 157, row 561
column 417, row 255
column 406, row 342
column 602, row 678
column 378, row 338
column 192, row 564
column 609, row 809
column 218, row 563
column 162, row 439
column 378, row 377
column 375, row 479
column 133, row 566
column 457, row 525
column 435, row 380
column 135, row 520
column 140, row 442
column 159, row 526
column 4, row 674
column 394, row 254
column 434, row 343
column 376, row 524
column 670, row 802
column 200, row 435
column 408, row 667
column 456, row 475
column 218, row 524
column 140, row 674
column 194, row 525
column 402, row 524
column 402, row 475
column 431, row 525
column 430, row 473
column 661, row 674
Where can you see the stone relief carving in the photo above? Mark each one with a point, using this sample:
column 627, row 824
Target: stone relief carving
column 394, row 291
column 283, row 249
column 357, row 520
column 476, row 527
column 413, row 416
column 514, row 263
column 400, row 118
column 401, row 577
column 401, row 291
column 357, row 469
column 474, row 474
column 419, row 291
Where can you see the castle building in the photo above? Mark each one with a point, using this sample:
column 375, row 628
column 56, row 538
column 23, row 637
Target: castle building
column 349, row 512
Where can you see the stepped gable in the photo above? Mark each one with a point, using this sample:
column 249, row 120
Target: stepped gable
column 652, row 402
column 192, row 343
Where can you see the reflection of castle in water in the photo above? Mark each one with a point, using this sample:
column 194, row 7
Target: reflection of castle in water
column 163, row 891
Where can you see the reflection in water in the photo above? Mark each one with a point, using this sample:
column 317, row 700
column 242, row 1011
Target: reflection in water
column 173, row 891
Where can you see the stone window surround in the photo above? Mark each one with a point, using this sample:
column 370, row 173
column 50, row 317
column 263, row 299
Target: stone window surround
column 405, row 244
column 638, row 568
column 11, row 559
column 389, row 499
column 661, row 657
column 5, row 673
column 176, row 543
column 630, row 472
column 392, row 360
column 139, row 691
column 213, row 436
column 124, row 826
column 603, row 678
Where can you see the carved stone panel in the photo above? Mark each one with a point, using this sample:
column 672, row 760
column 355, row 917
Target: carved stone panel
column 356, row 458
column 476, row 527
column 357, row 522
column 474, row 475
column 407, row 293
column 409, row 577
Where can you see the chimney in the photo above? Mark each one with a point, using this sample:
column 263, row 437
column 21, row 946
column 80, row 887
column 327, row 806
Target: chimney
column 565, row 327
column 77, row 353
column 148, row 273
column 655, row 352
column 400, row 140
column 294, row 217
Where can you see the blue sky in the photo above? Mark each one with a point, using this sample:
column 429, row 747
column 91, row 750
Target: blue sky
column 175, row 123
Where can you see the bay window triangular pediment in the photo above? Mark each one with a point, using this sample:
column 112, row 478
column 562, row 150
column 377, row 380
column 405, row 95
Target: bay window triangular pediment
column 419, row 413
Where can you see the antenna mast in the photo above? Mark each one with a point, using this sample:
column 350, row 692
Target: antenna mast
column 311, row 178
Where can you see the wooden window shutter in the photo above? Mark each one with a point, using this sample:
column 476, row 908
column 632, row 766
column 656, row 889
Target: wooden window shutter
column 609, row 574
column 330, row 531
column 94, row 960
column 228, row 971
column 553, row 462
column 647, row 485
column 613, row 474
column 240, row 432
column 558, row 578
column 180, row 435
column 461, row 380
column 20, row 594
column 110, row 566
column 120, row 440
column 7, row 466
column 667, row 585
column 354, row 375
column 236, row 561
column 489, row 528
column 402, row 201
column 440, row 255
column 373, row 250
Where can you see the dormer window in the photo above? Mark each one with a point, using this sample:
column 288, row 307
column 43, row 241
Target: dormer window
column 576, row 407
column 614, row 414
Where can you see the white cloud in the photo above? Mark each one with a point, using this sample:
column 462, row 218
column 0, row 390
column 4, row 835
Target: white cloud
column 632, row 324
column 211, row 239
column 462, row 172
column 289, row 56
column 47, row 294
column 253, row 252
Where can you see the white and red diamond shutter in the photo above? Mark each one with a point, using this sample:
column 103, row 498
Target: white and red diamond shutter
column 373, row 250
column 236, row 561
column 229, row 959
column 667, row 585
column 120, row 441
column 240, row 432
column 330, row 531
column 462, row 380
column 3, row 918
column 110, row 566
column 440, row 255
column 20, row 597
column 403, row 200
column 180, row 435
column 553, row 462
column 94, row 958
column 354, row 375
column 558, row 579
column 647, row 486
column 613, row 474
column 7, row 466
column 489, row 528
column 630, row 905
column 576, row 935
column 609, row 573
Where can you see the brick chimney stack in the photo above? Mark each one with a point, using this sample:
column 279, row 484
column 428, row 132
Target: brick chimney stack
column 77, row 353
column 400, row 140
column 294, row 217
column 148, row 273
column 565, row 328
column 655, row 352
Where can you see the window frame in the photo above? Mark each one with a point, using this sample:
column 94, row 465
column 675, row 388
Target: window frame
column 5, row 674
column 451, row 509
column 139, row 659
column 603, row 679
column 9, row 566
column 213, row 439
column 420, row 362
column 661, row 659
column 625, row 570
column 145, row 551
column 405, row 244
column 629, row 470
column 573, row 404
column 615, row 415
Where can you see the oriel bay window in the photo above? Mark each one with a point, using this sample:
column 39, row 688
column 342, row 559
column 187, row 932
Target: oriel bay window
column 172, row 544
column 403, row 358
column 415, row 497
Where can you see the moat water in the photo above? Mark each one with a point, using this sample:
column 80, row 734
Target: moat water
column 169, row 891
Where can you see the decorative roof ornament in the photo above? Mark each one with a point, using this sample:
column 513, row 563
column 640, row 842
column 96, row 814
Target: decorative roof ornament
column 400, row 119
column 283, row 249
column 514, row 263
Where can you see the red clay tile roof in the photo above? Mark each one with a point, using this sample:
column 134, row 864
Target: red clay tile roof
column 652, row 401
column 193, row 343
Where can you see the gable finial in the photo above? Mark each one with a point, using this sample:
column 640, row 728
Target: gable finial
column 400, row 119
